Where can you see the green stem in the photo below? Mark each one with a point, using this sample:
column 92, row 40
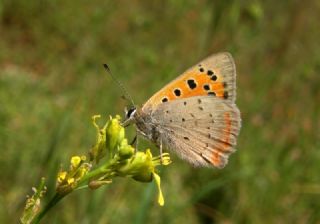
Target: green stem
column 102, row 170
column 96, row 172
column 56, row 198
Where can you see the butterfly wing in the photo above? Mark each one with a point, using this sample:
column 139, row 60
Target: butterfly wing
column 195, row 114
column 213, row 76
column 202, row 130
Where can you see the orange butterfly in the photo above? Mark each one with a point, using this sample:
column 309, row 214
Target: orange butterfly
column 194, row 115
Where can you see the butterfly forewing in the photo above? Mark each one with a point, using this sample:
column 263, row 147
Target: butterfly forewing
column 214, row 76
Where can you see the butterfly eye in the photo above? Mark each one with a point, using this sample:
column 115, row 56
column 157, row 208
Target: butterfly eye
column 131, row 112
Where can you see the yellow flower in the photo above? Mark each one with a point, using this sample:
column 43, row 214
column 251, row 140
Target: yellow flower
column 61, row 176
column 160, row 196
column 67, row 181
column 75, row 161
column 142, row 168
column 70, row 181
column 123, row 161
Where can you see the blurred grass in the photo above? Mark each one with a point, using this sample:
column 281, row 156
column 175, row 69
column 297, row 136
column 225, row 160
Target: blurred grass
column 52, row 81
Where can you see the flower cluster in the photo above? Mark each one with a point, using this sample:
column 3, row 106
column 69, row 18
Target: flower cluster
column 33, row 203
column 110, row 157
column 67, row 181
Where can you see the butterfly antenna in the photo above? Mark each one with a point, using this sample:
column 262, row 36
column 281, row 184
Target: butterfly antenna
column 127, row 95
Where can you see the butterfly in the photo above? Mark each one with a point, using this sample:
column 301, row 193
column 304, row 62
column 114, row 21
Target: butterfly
column 195, row 115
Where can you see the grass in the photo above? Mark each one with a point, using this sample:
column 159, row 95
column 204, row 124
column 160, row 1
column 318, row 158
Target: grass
column 52, row 81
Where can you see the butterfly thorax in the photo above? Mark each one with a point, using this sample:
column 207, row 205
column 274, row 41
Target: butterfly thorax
column 145, row 126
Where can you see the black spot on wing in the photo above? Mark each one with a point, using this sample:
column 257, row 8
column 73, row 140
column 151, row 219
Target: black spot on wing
column 206, row 87
column 164, row 99
column 177, row 92
column 191, row 83
column 214, row 78
column 225, row 85
column 210, row 72
column 225, row 95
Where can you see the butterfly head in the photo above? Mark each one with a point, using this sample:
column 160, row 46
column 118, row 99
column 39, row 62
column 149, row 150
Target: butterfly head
column 130, row 113
column 129, row 116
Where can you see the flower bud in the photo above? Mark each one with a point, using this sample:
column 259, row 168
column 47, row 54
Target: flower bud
column 125, row 150
column 98, row 151
column 114, row 134
column 140, row 167
column 143, row 177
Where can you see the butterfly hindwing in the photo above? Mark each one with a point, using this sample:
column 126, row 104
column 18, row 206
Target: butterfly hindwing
column 214, row 76
column 202, row 130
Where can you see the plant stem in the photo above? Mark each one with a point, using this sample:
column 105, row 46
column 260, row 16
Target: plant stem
column 56, row 198
column 102, row 170
column 91, row 174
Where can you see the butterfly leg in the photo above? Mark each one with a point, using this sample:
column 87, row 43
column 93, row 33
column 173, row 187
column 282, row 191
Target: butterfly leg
column 160, row 147
column 136, row 145
column 134, row 141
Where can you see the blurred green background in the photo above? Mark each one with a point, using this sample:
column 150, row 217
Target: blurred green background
column 52, row 81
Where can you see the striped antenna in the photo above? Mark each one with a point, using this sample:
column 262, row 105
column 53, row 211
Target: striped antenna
column 126, row 94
